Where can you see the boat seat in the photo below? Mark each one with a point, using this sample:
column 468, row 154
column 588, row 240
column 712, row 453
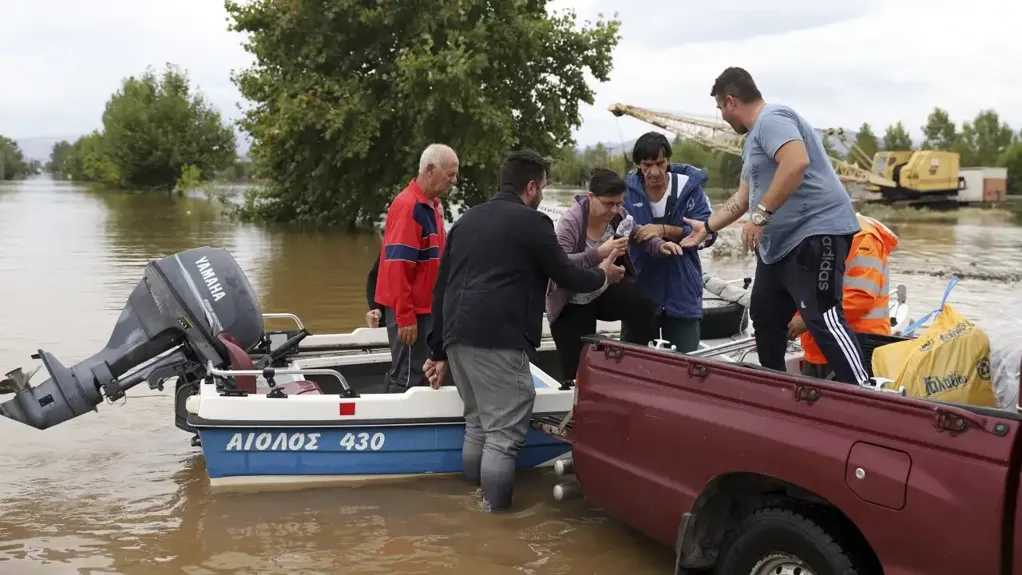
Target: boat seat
column 242, row 361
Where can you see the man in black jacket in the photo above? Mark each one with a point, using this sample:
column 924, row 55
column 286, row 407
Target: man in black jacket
column 488, row 306
column 375, row 310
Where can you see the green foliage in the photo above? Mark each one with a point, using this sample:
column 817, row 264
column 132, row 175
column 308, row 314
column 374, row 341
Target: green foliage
column 89, row 162
column 1012, row 159
column 153, row 127
column 829, row 148
column 191, row 178
column 983, row 141
column 240, row 171
column 896, row 138
column 866, row 141
column 348, row 93
column 60, row 160
column 12, row 161
column 939, row 132
column 571, row 168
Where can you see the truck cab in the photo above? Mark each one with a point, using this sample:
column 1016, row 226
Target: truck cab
column 750, row 470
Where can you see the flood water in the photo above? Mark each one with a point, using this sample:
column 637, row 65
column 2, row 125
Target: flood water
column 122, row 491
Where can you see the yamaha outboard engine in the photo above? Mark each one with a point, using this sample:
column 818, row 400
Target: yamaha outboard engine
column 183, row 302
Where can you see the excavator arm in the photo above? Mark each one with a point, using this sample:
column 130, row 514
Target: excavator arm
column 721, row 137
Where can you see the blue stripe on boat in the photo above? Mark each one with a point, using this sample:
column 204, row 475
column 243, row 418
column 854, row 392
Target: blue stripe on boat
column 376, row 450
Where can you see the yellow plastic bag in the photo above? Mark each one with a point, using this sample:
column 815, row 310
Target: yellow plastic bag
column 949, row 362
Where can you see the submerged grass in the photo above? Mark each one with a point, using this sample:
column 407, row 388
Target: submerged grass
column 909, row 214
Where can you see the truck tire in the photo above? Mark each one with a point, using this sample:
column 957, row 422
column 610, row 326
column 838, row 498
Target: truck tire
column 780, row 541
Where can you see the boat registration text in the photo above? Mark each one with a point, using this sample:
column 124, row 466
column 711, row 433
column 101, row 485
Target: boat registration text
column 301, row 441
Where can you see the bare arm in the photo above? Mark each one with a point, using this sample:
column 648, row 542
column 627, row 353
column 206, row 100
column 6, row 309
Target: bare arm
column 734, row 208
column 780, row 138
column 792, row 161
column 673, row 233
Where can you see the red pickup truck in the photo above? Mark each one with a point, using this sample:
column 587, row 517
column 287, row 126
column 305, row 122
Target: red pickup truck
column 754, row 471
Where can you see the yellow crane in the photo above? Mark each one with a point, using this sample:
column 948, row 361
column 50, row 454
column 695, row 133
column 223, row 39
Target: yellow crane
column 720, row 136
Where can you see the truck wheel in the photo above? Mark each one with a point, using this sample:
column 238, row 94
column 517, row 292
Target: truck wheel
column 778, row 541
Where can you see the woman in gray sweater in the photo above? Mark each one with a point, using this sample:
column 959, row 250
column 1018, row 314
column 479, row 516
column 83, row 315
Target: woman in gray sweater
column 588, row 233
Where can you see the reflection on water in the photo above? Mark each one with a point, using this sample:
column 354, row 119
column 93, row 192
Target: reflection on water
column 122, row 492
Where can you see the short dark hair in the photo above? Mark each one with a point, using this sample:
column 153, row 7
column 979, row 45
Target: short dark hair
column 649, row 146
column 604, row 182
column 521, row 167
column 738, row 83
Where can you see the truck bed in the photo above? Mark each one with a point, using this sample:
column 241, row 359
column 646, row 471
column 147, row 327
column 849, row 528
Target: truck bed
column 683, row 447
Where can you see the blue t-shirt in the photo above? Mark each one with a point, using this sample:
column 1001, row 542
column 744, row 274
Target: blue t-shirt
column 820, row 205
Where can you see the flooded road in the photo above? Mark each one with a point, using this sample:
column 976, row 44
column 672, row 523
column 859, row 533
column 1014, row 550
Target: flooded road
column 123, row 492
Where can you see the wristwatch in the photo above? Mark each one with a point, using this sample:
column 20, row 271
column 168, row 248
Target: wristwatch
column 759, row 219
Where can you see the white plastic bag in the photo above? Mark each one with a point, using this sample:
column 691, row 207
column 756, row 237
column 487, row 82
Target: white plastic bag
column 1005, row 360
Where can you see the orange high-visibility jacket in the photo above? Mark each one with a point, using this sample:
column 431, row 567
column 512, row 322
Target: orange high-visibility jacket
column 866, row 289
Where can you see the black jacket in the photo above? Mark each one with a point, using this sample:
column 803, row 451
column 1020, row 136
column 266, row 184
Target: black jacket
column 371, row 285
column 491, row 291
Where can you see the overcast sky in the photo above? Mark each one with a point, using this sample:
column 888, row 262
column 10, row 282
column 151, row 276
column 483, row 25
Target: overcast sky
column 839, row 63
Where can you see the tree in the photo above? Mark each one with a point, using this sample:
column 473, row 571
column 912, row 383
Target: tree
column 866, row 141
column 939, row 133
column 1012, row 159
column 347, row 94
column 89, row 161
column 12, row 161
column 60, row 158
column 828, row 147
column 155, row 126
column 571, row 167
column 896, row 138
column 989, row 138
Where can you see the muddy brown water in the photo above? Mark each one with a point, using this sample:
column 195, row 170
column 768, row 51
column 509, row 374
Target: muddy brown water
column 122, row 491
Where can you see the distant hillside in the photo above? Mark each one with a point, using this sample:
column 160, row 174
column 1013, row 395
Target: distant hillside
column 40, row 148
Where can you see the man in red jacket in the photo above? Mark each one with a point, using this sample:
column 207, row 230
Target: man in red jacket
column 413, row 240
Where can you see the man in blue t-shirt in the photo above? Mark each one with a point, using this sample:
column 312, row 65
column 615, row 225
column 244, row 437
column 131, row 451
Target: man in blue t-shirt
column 801, row 223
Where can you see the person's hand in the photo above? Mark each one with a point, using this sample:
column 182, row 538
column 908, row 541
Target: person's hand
column 408, row 334
column 796, row 327
column 696, row 237
column 670, row 249
column 750, row 235
column 649, row 231
column 614, row 272
column 435, row 372
column 610, row 245
column 373, row 318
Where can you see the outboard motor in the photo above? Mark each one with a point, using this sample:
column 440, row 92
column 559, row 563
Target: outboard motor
column 183, row 302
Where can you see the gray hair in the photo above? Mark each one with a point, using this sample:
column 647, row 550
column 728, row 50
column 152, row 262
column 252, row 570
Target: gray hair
column 435, row 155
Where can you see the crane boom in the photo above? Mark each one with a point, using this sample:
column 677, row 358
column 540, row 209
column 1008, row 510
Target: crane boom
column 714, row 135
column 720, row 136
column 854, row 151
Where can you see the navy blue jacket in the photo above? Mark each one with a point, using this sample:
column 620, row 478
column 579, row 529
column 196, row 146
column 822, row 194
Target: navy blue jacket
column 674, row 283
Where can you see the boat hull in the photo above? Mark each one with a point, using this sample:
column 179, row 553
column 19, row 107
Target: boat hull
column 266, row 455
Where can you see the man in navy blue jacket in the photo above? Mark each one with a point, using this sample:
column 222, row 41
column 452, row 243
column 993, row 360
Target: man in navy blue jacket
column 660, row 195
